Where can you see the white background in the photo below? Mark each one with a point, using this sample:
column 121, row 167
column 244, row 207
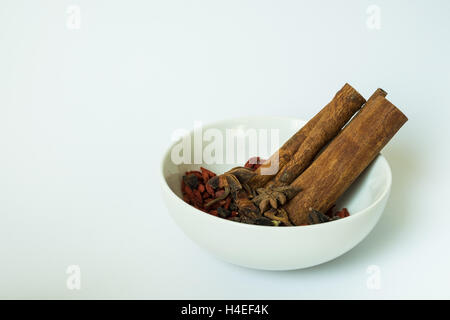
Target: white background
column 85, row 115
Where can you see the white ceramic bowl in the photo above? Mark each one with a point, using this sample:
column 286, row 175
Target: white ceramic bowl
column 278, row 248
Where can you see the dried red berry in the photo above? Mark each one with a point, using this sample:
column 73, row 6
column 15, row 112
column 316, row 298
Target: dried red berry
column 343, row 213
column 210, row 190
column 227, row 203
column 219, row 193
column 254, row 163
column 198, row 196
column 210, row 173
column 188, row 191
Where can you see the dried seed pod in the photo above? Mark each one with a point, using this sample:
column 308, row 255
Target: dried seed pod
column 270, row 197
column 245, row 206
column 235, row 218
column 316, row 217
column 242, row 174
column 264, row 204
column 231, row 182
column 263, row 221
column 223, row 213
column 233, row 206
column 278, row 215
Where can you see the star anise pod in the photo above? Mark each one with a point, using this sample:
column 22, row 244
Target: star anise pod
column 271, row 197
column 232, row 181
column 315, row 217
column 278, row 215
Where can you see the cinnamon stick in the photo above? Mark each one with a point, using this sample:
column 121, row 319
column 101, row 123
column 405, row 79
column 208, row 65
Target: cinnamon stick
column 271, row 166
column 379, row 92
column 278, row 160
column 343, row 160
column 337, row 113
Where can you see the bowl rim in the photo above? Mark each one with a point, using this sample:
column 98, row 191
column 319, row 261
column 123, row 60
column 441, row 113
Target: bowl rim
column 212, row 218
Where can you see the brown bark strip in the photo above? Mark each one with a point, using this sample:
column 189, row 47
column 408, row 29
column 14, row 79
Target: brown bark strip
column 285, row 153
column 343, row 160
column 377, row 93
column 338, row 112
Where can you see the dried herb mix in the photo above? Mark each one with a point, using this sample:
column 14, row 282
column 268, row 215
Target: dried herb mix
column 229, row 196
column 315, row 166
